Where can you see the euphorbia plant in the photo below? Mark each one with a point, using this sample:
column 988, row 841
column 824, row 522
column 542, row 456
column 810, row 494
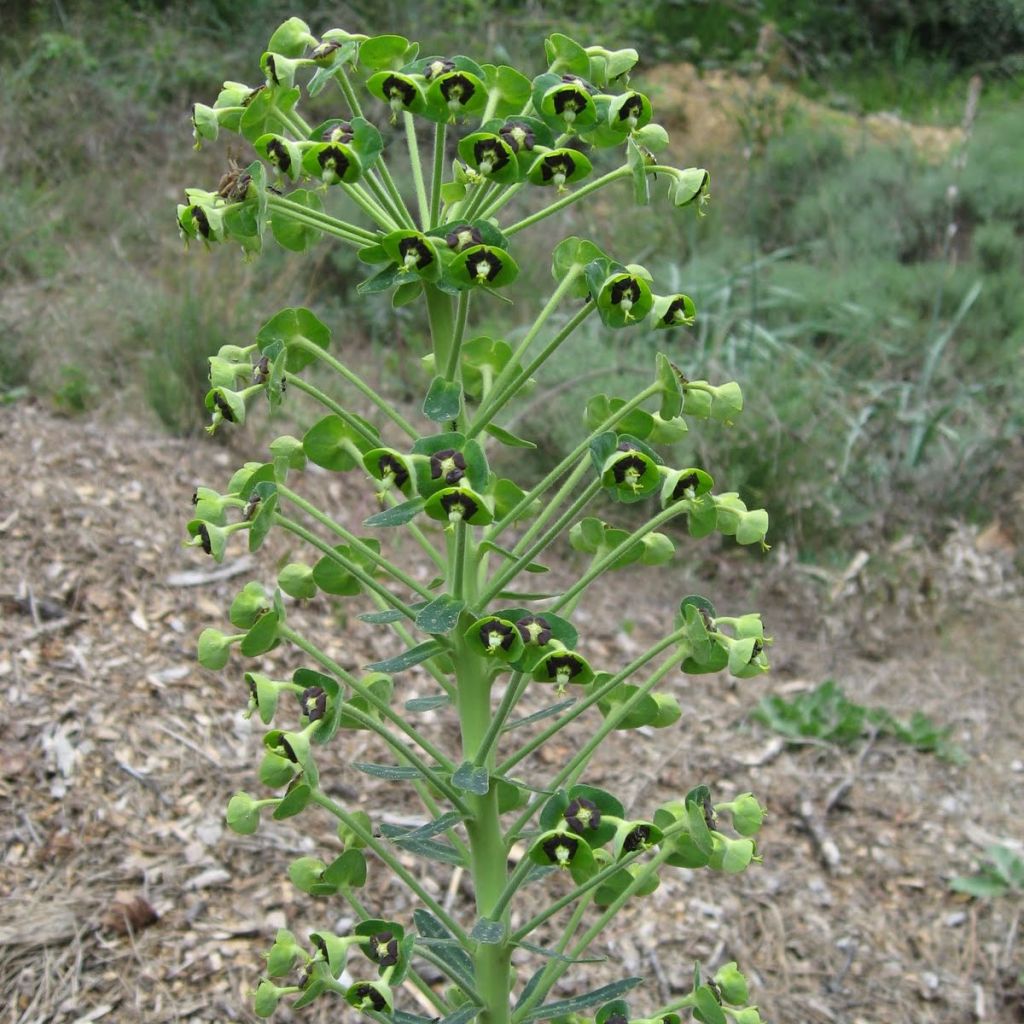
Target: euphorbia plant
column 485, row 639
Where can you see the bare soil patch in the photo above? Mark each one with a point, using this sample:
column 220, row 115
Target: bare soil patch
column 126, row 899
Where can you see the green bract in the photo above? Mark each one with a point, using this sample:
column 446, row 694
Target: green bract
column 472, row 571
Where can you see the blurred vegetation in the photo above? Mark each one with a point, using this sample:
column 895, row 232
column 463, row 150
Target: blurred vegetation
column 866, row 296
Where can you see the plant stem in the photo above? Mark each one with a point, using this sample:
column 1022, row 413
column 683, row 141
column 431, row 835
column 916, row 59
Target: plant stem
column 368, row 839
column 573, row 197
column 608, row 559
column 354, row 542
column 486, row 842
column 579, row 451
column 400, row 214
column 508, row 373
column 428, row 773
column 514, row 689
column 369, row 206
column 365, row 692
column 511, row 570
column 417, row 168
column 437, row 177
column 439, row 312
column 556, row 968
column 590, row 700
column 356, row 381
column 461, row 313
column 571, row 771
column 320, row 220
column 329, row 403
column 347, row 564
column 499, row 400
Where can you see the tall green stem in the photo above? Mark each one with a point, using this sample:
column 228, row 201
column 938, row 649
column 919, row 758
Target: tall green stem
column 499, row 400
column 356, row 381
column 373, row 843
column 437, row 176
column 367, row 694
column 417, row 169
column 329, row 403
column 579, row 452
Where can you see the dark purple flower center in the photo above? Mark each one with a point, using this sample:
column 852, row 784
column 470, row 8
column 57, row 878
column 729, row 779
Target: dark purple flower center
column 333, row 158
column 314, row 703
column 341, row 132
column 625, row 288
column 492, row 152
column 383, row 949
column 417, row 249
column 633, row 107
column 496, row 633
column 534, row 630
column 686, row 482
column 389, row 464
column 459, row 504
column 398, row 88
column 438, row 67
column 518, row 136
column 560, row 849
column 278, row 152
column 457, row 88
column 483, row 265
column 582, row 814
column 448, row 463
column 637, row 838
column 463, row 237
column 559, row 163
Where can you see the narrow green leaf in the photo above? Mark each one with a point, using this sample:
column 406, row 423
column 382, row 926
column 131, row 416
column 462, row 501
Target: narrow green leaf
column 537, row 716
column 471, row 779
column 413, row 656
column 397, row 516
column 491, row 933
column 439, row 700
column 506, row 437
column 386, row 771
column 463, row 1015
column 430, row 849
column 531, row 985
column 489, row 545
column 432, row 828
column 595, row 998
column 444, row 400
column 552, row 955
column 440, row 616
column 379, row 618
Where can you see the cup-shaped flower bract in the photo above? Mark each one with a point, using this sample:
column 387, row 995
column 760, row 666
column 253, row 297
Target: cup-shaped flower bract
column 673, row 311
column 370, row 995
column 491, row 155
column 400, row 92
column 624, row 298
column 630, row 472
column 568, row 105
column 483, row 265
column 559, row 167
column 496, row 638
column 629, row 111
column 562, row 849
column 458, row 504
column 390, row 467
column 562, row 668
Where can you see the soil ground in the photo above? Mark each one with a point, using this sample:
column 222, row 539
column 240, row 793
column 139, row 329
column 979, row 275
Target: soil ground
column 125, row 899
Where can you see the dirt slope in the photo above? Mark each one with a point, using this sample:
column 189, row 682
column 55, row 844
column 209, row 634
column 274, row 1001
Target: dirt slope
column 125, row 899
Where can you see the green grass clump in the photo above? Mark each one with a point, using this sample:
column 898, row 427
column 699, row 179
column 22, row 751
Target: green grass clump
column 826, row 714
